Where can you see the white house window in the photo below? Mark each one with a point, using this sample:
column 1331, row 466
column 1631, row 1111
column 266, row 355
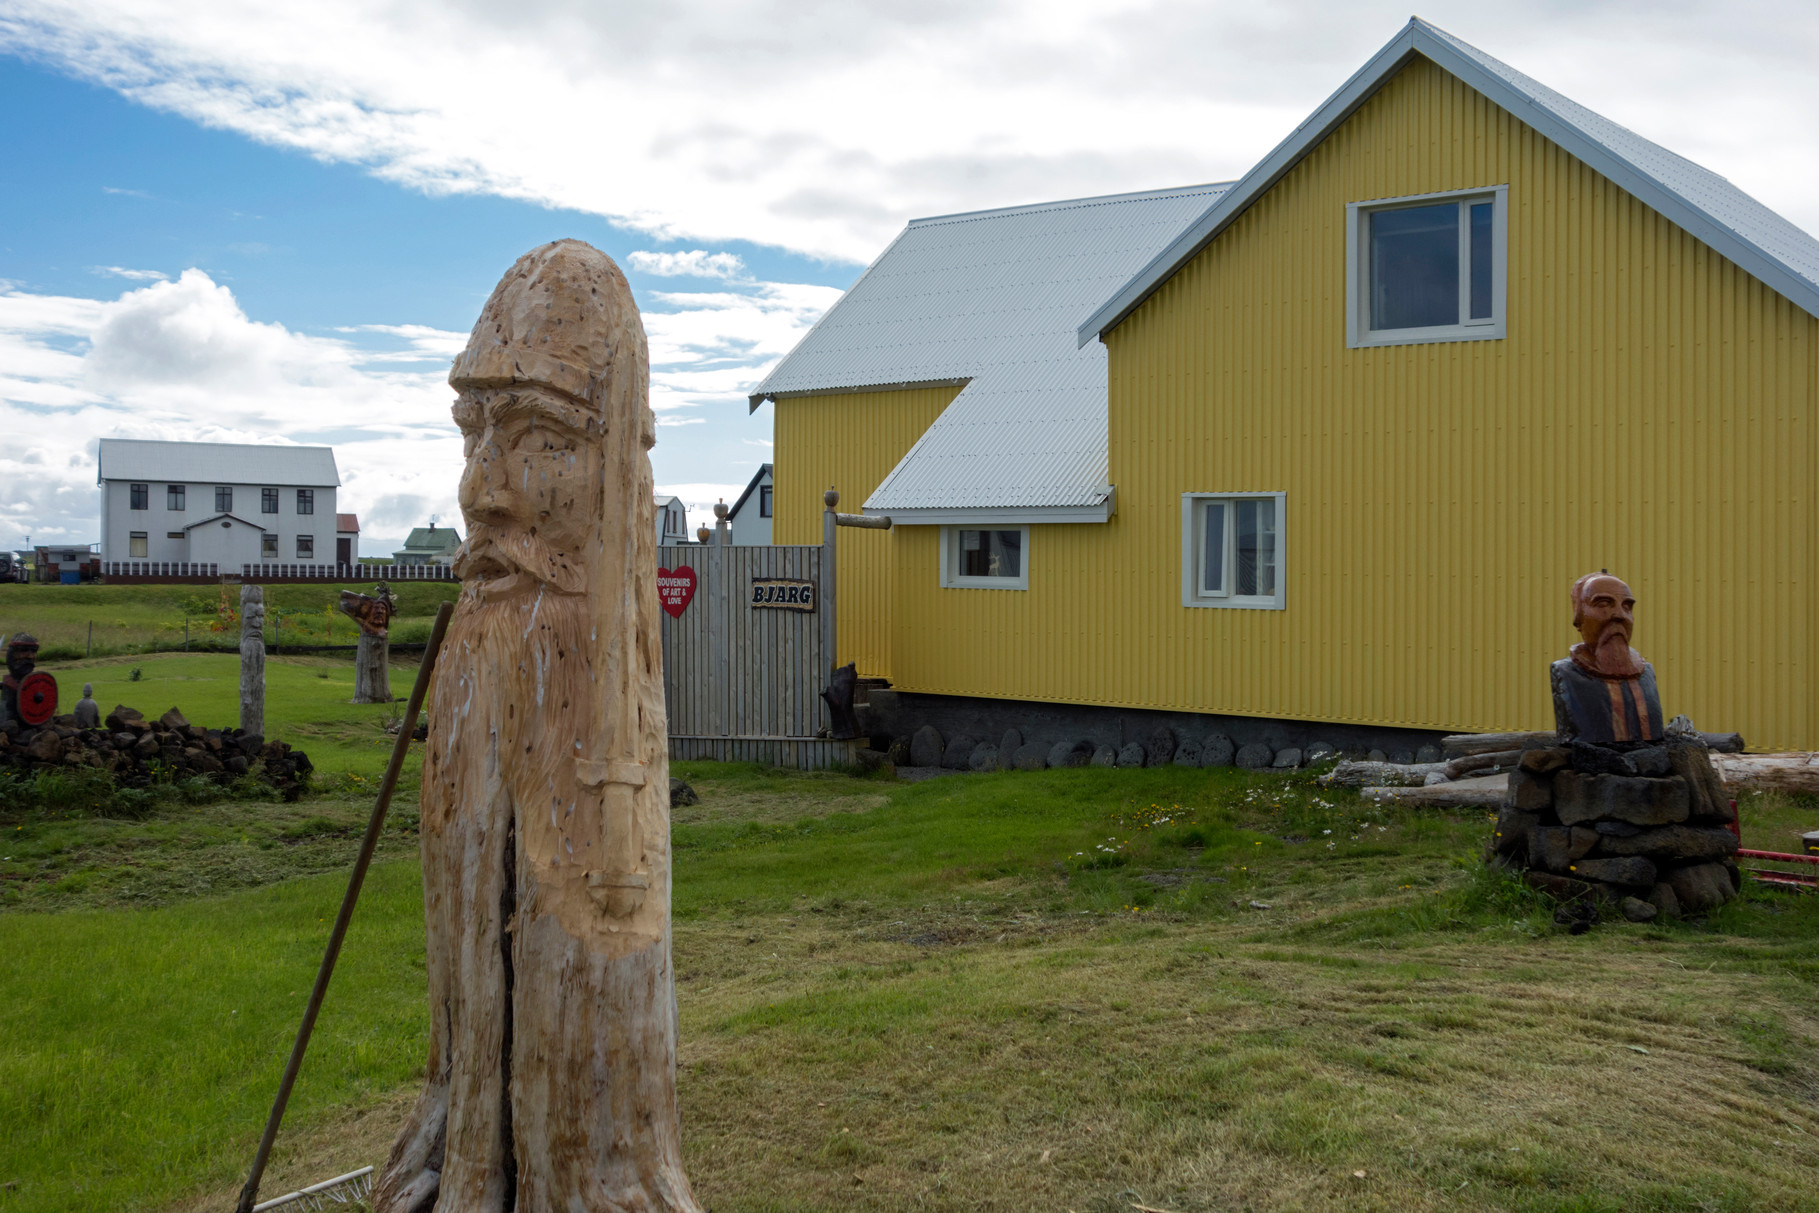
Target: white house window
column 306, row 547
column 268, row 547
column 764, row 501
column 1232, row 550
column 173, row 496
column 140, row 497
column 224, row 500
column 1427, row 268
column 306, row 501
column 268, row 501
column 985, row 559
column 173, row 534
column 135, row 545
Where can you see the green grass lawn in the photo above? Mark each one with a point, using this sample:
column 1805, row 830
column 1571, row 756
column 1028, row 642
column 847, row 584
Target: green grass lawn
column 72, row 621
column 1086, row 989
column 307, row 699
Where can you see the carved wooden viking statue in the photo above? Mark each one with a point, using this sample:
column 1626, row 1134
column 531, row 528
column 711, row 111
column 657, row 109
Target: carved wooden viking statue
column 252, row 659
column 1604, row 692
column 373, row 653
column 545, row 828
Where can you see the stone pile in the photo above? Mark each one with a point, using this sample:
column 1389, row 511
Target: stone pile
column 1647, row 828
column 1162, row 746
column 137, row 751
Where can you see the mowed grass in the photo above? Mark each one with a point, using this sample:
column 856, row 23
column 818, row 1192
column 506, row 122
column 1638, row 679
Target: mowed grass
column 71, row 621
column 1075, row 990
column 307, row 699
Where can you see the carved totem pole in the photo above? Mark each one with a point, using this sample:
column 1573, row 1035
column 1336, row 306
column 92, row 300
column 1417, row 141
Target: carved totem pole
column 545, row 827
column 373, row 655
column 252, row 660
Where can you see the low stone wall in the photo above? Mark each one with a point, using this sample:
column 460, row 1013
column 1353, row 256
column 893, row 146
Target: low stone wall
column 137, row 751
column 1649, row 829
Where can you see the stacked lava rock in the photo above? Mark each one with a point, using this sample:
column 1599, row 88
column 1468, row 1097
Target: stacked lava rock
column 137, row 751
column 1646, row 827
column 1622, row 809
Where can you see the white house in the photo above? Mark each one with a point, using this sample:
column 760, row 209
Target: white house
column 217, row 502
column 672, row 521
column 750, row 516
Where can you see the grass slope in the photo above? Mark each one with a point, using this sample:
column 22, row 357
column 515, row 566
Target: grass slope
column 1075, row 989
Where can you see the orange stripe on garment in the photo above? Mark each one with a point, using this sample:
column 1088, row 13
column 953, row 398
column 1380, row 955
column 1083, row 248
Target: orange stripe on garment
column 1635, row 686
column 1620, row 725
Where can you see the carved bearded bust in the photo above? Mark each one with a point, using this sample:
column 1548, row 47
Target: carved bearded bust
column 1604, row 692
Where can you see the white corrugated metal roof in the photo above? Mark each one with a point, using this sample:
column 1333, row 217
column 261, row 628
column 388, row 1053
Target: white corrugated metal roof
column 217, row 463
column 1697, row 199
column 991, row 299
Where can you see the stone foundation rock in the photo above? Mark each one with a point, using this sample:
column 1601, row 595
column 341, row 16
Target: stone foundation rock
column 137, row 752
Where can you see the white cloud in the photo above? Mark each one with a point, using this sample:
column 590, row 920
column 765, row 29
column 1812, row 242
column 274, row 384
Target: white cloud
column 117, row 271
column 695, row 263
column 820, row 128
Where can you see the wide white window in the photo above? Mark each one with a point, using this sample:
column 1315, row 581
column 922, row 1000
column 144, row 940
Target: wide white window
column 985, row 559
column 1232, row 550
column 1428, row 268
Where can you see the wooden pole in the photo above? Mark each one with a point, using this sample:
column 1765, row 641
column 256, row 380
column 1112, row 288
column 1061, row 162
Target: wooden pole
column 91, row 639
column 830, row 659
column 250, row 1193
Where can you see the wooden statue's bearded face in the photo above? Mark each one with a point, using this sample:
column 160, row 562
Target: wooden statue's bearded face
column 531, row 489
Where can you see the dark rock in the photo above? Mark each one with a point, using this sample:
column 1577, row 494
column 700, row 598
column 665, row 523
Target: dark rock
column 1376, row 756
column 301, row 760
column 124, row 719
column 1651, row 760
column 1578, row 916
column 1673, row 844
column 681, row 795
column 899, row 751
column 1529, row 792
column 1105, row 756
column 1031, row 756
column 984, row 757
column 1429, row 753
column 1592, row 759
column 237, row 764
column 250, row 744
column 1010, row 743
column 1070, row 753
column 1665, row 902
column 1512, row 837
column 1561, row 888
column 958, row 752
column 1617, row 829
column 925, row 747
column 1403, row 757
column 1637, row 910
column 1217, row 751
column 206, row 761
column 146, row 746
column 1131, row 755
column 1320, row 751
column 1708, row 801
column 1547, row 761
column 1734, row 872
column 871, row 760
column 1700, row 887
column 1255, row 756
column 45, row 746
column 1159, row 746
column 1630, row 870
column 1645, row 802
column 1556, row 847
column 1187, row 754
column 173, row 719
column 1289, row 758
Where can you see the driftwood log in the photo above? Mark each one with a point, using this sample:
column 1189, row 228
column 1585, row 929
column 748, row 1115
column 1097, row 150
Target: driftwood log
column 1790, row 772
column 1461, row 744
column 1482, row 791
column 1417, row 774
column 545, row 826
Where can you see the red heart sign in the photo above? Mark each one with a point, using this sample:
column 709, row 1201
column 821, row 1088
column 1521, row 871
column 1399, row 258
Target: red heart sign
column 676, row 589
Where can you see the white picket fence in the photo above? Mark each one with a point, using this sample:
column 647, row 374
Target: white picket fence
column 279, row 572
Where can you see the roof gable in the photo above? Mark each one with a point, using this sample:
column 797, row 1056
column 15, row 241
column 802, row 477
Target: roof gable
column 217, row 463
column 764, row 470
column 1698, row 200
column 432, row 539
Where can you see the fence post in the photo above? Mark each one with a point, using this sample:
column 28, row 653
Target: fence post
column 829, row 658
column 720, row 601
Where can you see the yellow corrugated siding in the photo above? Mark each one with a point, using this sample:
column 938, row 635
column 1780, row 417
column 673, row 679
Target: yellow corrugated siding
column 850, row 441
column 1651, row 411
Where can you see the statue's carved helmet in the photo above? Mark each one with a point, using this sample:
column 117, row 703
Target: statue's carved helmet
column 563, row 316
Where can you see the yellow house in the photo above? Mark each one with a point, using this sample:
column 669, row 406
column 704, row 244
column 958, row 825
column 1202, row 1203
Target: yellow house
column 1361, row 418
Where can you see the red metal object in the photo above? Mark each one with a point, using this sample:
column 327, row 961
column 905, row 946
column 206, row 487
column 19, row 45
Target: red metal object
column 37, row 698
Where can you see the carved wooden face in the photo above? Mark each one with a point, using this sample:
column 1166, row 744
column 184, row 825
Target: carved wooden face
column 531, row 489
column 1606, row 611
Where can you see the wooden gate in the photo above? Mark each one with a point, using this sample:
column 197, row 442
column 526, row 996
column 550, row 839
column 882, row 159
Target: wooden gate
column 744, row 681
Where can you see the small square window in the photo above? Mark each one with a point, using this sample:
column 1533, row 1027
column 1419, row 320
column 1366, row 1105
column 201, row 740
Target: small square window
column 224, row 500
column 135, row 545
column 1232, row 550
column 1424, row 269
column 268, row 547
column 173, row 496
column 764, row 501
column 306, row 501
column 141, row 497
column 985, row 559
column 306, row 547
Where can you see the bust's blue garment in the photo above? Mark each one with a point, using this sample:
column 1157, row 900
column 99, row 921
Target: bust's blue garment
column 1603, row 710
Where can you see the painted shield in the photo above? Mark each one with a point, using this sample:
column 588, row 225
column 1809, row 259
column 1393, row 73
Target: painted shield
column 676, row 589
column 37, row 698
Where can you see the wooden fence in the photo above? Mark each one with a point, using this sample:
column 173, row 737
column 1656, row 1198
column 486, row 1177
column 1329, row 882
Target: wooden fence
column 180, row 572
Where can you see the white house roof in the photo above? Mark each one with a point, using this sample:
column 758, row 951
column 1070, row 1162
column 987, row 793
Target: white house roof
column 217, row 463
column 990, row 299
column 1697, row 199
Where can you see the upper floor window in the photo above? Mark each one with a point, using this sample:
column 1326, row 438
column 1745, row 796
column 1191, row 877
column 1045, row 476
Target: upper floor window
column 140, row 497
column 173, row 496
column 1232, row 550
column 268, row 501
column 306, row 501
column 764, row 501
column 1428, row 268
column 985, row 560
column 224, row 500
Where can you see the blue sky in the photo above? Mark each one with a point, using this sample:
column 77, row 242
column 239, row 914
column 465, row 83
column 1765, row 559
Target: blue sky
column 262, row 221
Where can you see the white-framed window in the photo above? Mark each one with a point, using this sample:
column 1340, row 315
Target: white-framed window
column 306, row 547
column 985, row 558
column 268, row 547
column 135, row 545
column 1433, row 267
column 1233, row 552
